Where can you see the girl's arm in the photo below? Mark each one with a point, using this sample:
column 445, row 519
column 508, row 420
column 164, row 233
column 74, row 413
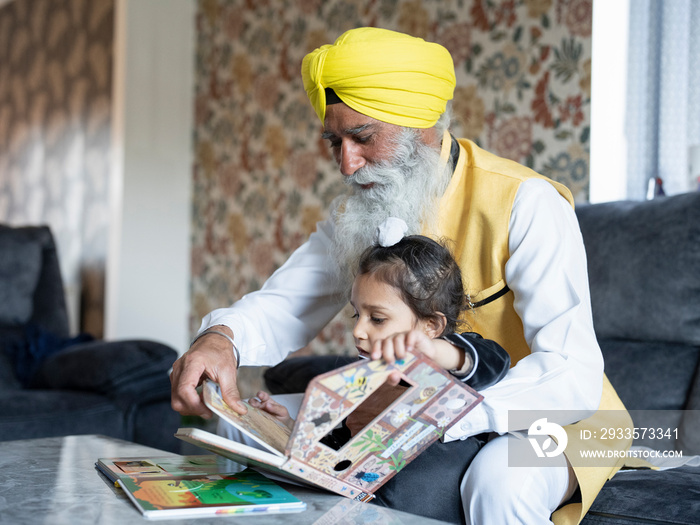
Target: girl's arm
column 489, row 360
column 478, row 362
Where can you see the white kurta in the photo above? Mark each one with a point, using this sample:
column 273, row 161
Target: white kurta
column 546, row 271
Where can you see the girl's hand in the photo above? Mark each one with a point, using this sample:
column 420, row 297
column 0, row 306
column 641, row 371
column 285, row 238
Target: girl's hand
column 264, row 401
column 398, row 345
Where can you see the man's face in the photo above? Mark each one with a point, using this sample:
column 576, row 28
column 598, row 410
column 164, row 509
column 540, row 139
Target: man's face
column 358, row 140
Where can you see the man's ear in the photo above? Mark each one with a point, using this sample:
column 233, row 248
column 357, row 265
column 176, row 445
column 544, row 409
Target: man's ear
column 435, row 325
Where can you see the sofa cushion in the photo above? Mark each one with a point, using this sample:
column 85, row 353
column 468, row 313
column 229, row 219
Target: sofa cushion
column 10, row 337
column 648, row 496
column 155, row 424
column 20, row 263
column 8, row 380
column 32, row 347
column 689, row 431
column 44, row 413
column 642, row 263
column 650, row 375
column 110, row 368
column 49, row 305
column 655, row 381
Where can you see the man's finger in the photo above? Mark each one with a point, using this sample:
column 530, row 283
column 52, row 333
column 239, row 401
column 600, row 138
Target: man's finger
column 184, row 398
column 229, row 390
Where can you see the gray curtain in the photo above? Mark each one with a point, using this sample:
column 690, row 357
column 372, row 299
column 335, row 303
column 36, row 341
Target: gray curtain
column 663, row 104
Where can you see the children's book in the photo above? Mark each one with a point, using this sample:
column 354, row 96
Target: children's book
column 191, row 496
column 385, row 427
column 115, row 468
column 193, row 486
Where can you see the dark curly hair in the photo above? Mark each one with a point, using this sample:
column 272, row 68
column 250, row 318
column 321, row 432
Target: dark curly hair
column 425, row 273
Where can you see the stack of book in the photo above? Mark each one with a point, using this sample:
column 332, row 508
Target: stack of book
column 195, row 486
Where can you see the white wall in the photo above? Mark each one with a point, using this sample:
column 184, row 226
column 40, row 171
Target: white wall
column 148, row 272
column 608, row 175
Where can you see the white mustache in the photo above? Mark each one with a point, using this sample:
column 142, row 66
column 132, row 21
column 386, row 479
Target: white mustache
column 378, row 174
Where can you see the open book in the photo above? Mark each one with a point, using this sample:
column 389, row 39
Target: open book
column 195, row 486
column 415, row 416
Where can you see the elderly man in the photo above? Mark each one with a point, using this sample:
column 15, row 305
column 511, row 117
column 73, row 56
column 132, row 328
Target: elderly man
column 382, row 98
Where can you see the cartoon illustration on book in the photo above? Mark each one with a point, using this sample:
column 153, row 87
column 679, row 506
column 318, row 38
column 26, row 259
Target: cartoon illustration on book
column 210, row 494
column 160, row 466
column 258, row 424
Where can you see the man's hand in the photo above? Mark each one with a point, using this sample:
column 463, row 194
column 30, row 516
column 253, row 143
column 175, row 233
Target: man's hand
column 210, row 357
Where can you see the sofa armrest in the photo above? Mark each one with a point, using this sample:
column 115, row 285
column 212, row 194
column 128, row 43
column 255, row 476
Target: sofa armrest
column 134, row 369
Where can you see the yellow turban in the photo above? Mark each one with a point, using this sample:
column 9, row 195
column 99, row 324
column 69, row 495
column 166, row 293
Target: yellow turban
column 389, row 76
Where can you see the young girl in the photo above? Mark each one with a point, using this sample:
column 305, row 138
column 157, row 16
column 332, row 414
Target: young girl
column 408, row 295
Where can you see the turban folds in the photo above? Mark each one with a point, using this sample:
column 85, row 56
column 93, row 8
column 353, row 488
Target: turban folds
column 389, row 76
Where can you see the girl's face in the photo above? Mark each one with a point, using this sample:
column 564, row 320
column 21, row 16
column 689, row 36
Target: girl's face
column 380, row 312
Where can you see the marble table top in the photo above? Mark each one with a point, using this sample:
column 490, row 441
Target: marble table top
column 54, row 481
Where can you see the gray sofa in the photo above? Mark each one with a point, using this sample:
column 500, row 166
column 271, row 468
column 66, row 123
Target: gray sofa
column 55, row 385
column 644, row 271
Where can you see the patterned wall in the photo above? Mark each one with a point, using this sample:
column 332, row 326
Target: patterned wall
column 263, row 177
column 55, row 104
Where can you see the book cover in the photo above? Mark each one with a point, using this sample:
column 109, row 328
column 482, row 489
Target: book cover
column 198, row 495
column 391, row 435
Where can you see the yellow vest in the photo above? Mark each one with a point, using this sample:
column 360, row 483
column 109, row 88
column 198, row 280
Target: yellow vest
column 474, row 215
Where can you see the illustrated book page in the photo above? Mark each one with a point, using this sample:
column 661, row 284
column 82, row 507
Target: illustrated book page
column 397, row 422
column 115, row 468
column 257, row 424
column 197, row 495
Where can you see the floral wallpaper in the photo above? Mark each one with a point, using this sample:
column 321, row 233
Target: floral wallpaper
column 262, row 175
column 55, row 117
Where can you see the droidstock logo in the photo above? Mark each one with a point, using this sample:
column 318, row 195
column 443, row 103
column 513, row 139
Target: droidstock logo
column 542, row 427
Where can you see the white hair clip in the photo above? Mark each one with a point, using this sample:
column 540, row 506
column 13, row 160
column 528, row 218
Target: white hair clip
column 390, row 231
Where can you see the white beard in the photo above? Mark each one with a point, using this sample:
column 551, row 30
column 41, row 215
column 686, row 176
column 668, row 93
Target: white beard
column 408, row 186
